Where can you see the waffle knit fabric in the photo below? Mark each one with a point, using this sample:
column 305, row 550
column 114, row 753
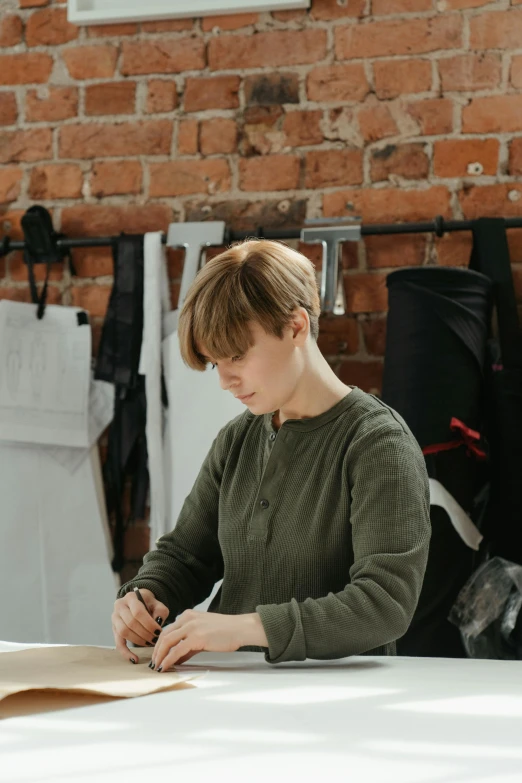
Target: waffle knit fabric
column 321, row 527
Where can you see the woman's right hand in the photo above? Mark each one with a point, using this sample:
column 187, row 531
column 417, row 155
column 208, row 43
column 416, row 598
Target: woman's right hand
column 131, row 622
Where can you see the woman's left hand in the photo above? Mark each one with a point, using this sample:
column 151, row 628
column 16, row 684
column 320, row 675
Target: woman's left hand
column 194, row 632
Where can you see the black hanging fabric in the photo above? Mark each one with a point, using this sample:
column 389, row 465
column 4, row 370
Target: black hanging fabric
column 490, row 255
column 437, row 329
column 118, row 363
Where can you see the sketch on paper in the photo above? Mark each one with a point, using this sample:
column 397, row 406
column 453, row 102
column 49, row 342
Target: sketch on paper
column 46, row 365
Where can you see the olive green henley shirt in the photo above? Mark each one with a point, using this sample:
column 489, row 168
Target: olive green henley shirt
column 321, row 527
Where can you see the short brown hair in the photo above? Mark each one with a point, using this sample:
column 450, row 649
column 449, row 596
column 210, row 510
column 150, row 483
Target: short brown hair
column 255, row 280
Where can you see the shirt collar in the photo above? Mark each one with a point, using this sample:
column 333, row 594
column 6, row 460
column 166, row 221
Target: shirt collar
column 305, row 425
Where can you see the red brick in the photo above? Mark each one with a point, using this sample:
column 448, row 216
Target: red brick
column 393, row 251
column 164, row 55
column 365, row 375
column 247, row 214
column 515, row 158
column 458, row 5
column 338, row 334
column 111, row 178
column 25, row 145
column 10, row 223
column 188, row 137
column 493, row 114
column 470, row 72
column 261, row 132
column 303, row 128
column 454, row 157
column 49, row 27
column 152, row 137
column 91, row 62
column 93, row 298
column 389, row 205
column 365, row 293
column 454, row 249
column 374, row 333
column 313, row 251
column 218, row 135
column 433, row 116
column 334, row 83
column 93, row 261
column 11, row 29
column 228, row 21
column 8, row 109
column 330, row 168
column 516, row 72
column 405, row 36
column 175, row 261
column 56, row 181
column 269, row 172
column 110, row 98
column 218, row 92
column 112, row 30
column 161, row 96
column 496, row 30
column 32, row 3
column 51, row 104
column 268, row 88
column 275, row 48
column 289, row 16
column 386, row 7
column 326, row 10
column 24, row 294
column 376, row 122
column 18, row 272
column 503, row 200
column 180, row 177
column 400, row 77
column 26, row 68
column 93, row 220
column 167, row 26
column 405, row 160
column 10, row 179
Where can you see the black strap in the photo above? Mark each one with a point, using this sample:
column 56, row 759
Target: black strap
column 490, row 255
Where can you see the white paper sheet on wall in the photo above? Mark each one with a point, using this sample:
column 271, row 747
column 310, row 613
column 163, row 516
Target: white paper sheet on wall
column 44, row 375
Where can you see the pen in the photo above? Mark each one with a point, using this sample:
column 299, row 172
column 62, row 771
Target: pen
column 140, row 598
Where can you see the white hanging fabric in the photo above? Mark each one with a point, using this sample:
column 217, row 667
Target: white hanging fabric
column 56, row 551
column 156, row 303
column 467, row 530
column 198, row 407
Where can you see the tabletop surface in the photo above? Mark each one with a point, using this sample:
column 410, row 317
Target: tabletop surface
column 364, row 719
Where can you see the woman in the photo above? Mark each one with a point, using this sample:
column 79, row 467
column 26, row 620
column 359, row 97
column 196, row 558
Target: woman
column 312, row 505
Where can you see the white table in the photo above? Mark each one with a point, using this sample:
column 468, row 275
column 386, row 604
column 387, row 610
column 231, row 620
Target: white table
column 359, row 719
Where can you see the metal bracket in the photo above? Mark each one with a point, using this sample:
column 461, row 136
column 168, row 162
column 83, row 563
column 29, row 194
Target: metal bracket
column 194, row 237
column 331, row 237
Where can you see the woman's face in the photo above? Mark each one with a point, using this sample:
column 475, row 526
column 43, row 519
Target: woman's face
column 266, row 376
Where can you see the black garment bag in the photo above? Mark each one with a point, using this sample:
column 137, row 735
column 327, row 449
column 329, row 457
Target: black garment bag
column 503, row 525
column 434, row 377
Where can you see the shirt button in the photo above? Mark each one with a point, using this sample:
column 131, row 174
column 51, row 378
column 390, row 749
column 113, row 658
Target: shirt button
column 273, row 436
column 264, row 503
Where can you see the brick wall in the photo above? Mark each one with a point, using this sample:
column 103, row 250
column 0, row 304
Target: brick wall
column 388, row 109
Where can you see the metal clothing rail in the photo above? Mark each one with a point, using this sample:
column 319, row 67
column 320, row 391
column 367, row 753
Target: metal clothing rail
column 438, row 226
column 329, row 232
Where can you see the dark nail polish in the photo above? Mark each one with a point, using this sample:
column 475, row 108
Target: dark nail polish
column 132, row 660
column 159, row 620
column 153, row 642
column 151, row 665
column 160, row 669
column 150, row 644
column 157, row 632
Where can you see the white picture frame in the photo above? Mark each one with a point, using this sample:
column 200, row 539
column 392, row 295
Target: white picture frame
column 111, row 11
